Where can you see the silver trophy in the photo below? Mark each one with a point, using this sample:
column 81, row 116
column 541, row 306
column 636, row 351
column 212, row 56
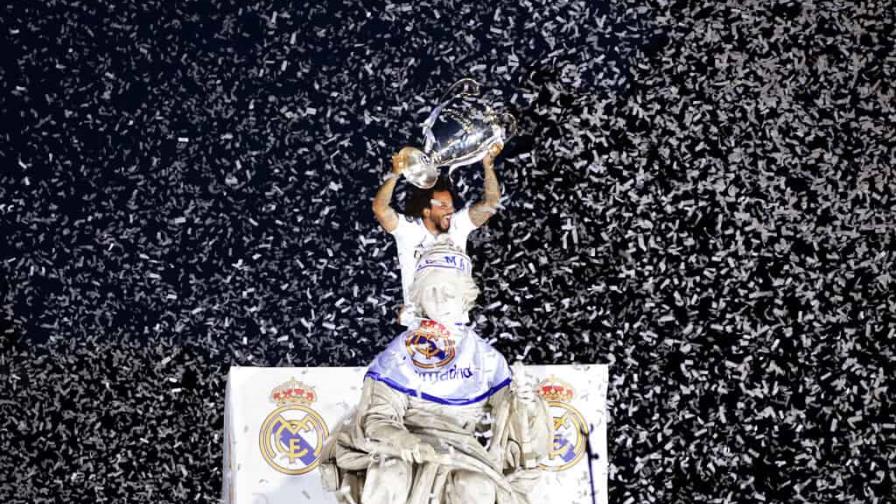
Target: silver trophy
column 459, row 131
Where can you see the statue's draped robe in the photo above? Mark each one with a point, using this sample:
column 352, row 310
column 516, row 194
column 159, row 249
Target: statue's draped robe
column 443, row 406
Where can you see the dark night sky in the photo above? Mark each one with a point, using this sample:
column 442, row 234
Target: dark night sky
column 701, row 195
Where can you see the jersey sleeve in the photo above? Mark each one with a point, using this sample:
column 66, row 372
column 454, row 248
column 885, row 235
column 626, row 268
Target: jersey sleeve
column 462, row 223
column 404, row 227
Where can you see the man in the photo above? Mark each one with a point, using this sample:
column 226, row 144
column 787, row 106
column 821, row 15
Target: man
column 426, row 398
column 428, row 214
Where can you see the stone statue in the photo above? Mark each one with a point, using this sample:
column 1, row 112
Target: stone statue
column 442, row 420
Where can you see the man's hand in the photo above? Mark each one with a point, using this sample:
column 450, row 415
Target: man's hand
column 399, row 162
column 493, row 151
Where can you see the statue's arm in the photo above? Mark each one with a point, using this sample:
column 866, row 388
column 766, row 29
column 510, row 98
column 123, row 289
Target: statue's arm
column 383, row 412
column 383, row 424
column 483, row 210
column 523, row 426
column 541, row 427
column 533, row 409
column 382, row 208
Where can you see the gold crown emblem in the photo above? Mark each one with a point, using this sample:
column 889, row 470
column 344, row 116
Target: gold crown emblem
column 432, row 329
column 555, row 389
column 293, row 392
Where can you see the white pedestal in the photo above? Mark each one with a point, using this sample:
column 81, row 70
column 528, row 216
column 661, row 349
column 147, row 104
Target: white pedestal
column 271, row 459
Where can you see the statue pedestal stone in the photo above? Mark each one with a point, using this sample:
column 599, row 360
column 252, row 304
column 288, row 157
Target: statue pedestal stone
column 276, row 419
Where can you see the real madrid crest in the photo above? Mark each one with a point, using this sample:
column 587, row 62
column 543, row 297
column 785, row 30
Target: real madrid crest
column 570, row 429
column 430, row 345
column 293, row 435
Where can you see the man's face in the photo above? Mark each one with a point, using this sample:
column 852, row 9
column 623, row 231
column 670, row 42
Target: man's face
column 440, row 211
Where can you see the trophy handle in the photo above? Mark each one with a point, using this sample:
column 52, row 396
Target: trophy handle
column 420, row 169
column 508, row 124
column 468, row 87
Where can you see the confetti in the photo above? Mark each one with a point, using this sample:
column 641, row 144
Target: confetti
column 699, row 194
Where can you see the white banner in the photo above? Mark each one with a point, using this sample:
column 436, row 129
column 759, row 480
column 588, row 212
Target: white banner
column 271, row 451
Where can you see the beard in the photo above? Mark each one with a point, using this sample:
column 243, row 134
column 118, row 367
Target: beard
column 443, row 224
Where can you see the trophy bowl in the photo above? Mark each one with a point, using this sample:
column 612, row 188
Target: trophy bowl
column 459, row 131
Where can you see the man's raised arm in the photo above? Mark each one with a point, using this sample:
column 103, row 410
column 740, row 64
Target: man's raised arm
column 491, row 190
column 384, row 213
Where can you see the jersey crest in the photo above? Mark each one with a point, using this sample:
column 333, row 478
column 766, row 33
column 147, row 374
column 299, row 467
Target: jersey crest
column 430, row 346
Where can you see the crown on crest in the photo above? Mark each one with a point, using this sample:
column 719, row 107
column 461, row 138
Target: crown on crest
column 432, row 329
column 555, row 389
column 293, row 392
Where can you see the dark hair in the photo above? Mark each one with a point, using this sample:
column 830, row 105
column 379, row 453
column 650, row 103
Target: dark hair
column 418, row 199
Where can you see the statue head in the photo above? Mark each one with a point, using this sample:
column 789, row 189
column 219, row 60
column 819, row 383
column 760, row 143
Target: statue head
column 443, row 287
